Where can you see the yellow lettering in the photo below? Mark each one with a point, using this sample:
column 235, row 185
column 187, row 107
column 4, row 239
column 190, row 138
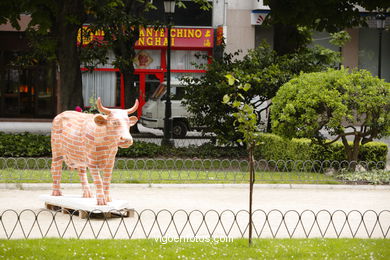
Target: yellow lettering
column 141, row 41
column 149, row 31
column 180, row 33
column 162, row 32
column 165, row 42
column 142, row 33
column 173, row 33
column 149, row 41
column 191, row 33
column 185, row 33
column 208, row 34
column 198, row 33
column 157, row 41
column 173, row 42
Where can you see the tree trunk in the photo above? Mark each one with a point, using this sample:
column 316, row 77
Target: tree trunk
column 124, row 50
column 251, row 182
column 131, row 93
column 69, row 20
column 352, row 152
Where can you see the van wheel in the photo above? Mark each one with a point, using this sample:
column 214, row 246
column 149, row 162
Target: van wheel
column 179, row 129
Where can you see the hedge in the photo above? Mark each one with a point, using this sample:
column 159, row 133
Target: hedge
column 33, row 145
column 273, row 147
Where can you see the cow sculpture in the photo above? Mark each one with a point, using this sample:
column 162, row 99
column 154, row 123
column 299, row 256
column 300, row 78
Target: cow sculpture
column 90, row 141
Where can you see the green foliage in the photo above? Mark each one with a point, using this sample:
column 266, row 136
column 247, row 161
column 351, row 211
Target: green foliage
column 323, row 15
column 246, row 119
column 272, row 147
column 340, row 38
column 373, row 151
column 275, row 147
column 140, row 149
column 262, row 69
column 24, row 145
column 373, row 177
column 339, row 102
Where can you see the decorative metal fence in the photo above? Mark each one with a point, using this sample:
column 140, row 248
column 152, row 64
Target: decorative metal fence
column 191, row 224
column 191, row 170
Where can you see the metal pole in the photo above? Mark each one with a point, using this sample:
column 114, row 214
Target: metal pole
column 380, row 53
column 167, row 140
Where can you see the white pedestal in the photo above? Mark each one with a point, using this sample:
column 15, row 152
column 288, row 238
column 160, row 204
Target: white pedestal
column 86, row 206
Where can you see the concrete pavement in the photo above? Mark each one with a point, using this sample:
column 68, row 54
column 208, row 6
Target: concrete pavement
column 219, row 198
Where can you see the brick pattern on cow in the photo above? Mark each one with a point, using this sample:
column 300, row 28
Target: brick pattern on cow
column 90, row 141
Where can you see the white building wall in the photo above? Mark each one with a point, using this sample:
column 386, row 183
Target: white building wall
column 240, row 34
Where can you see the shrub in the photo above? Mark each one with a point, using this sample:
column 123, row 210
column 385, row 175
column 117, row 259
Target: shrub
column 273, row 148
column 341, row 103
column 24, row 145
column 372, row 177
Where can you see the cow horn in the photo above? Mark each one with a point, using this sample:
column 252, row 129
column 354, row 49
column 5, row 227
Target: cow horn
column 134, row 108
column 101, row 108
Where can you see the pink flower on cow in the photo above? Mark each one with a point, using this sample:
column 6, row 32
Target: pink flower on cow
column 78, row 109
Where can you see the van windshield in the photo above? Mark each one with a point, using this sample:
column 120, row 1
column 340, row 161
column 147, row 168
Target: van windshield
column 159, row 92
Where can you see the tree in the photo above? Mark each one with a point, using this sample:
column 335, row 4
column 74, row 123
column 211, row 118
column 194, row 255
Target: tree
column 329, row 15
column 55, row 25
column 53, row 29
column 247, row 124
column 121, row 21
column 336, row 102
column 262, row 69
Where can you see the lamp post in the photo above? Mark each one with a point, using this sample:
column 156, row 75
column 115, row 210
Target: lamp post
column 380, row 24
column 169, row 8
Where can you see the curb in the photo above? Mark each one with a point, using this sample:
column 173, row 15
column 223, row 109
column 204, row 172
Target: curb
column 47, row 186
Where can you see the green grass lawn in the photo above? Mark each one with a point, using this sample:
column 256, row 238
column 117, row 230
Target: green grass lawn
column 171, row 176
column 238, row 249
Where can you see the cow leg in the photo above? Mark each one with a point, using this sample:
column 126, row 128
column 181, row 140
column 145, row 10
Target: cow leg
column 97, row 180
column 87, row 193
column 107, row 175
column 56, row 171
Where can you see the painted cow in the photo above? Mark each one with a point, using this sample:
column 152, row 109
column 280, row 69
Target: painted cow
column 88, row 140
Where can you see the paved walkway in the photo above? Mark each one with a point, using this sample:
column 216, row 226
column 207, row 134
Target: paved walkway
column 219, row 198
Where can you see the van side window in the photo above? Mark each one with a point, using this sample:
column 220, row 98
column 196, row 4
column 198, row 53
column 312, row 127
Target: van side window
column 180, row 91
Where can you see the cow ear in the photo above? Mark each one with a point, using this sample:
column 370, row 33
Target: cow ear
column 100, row 120
column 133, row 120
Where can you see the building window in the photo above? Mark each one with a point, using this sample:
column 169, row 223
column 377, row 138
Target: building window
column 103, row 84
column 187, row 60
column 26, row 91
column 368, row 51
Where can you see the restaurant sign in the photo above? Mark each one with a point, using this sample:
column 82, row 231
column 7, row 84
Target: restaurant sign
column 151, row 37
column 181, row 37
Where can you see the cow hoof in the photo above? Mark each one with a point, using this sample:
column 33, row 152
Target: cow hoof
column 101, row 202
column 56, row 193
column 87, row 194
column 108, row 198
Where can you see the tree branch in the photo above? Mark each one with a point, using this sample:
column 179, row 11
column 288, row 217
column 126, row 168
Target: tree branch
column 335, row 140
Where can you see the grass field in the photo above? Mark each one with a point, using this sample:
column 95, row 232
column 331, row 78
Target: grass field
column 171, row 176
column 154, row 249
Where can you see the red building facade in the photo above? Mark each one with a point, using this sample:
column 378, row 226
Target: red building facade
column 190, row 46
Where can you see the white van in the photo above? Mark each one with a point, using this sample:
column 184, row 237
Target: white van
column 153, row 112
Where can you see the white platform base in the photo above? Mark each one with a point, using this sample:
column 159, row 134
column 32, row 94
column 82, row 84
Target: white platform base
column 86, row 206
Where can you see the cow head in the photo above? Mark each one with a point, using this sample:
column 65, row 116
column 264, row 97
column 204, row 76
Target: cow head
column 118, row 123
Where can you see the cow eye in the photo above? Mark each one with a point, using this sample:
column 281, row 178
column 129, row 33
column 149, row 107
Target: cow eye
column 116, row 123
